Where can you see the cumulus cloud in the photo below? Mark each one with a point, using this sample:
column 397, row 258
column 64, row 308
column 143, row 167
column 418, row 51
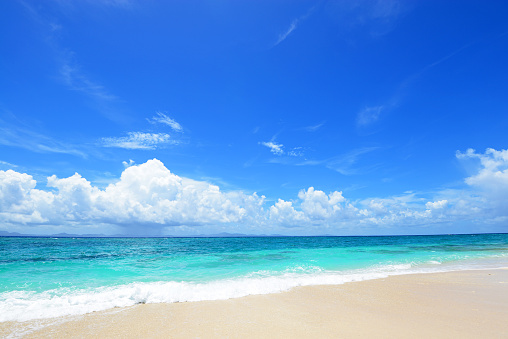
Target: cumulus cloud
column 14, row 188
column 18, row 197
column 285, row 214
column 150, row 195
column 164, row 119
column 493, row 174
column 138, row 140
column 314, row 206
column 491, row 179
column 145, row 194
column 437, row 205
column 317, row 205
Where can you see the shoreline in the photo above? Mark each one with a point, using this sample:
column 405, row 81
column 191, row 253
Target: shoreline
column 469, row 304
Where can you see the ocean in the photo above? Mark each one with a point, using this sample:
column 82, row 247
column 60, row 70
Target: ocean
column 53, row 277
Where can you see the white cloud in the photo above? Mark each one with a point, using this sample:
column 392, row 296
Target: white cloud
column 278, row 149
column 313, row 128
column 437, row 205
column 149, row 195
column 274, row 148
column 164, row 119
column 14, row 188
column 317, row 205
column 285, row 214
column 18, row 198
column 377, row 17
column 145, row 194
column 78, row 81
column 116, row 3
column 70, row 71
column 296, row 152
column 129, row 163
column 369, row 115
column 138, row 140
column 314, row 207
column 14, row 136
column 346, row 164
column 491, row 179
column 292, row 27
column 8, row 164
column 286, row 33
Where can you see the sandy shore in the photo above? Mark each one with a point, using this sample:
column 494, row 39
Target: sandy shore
column 466, row 304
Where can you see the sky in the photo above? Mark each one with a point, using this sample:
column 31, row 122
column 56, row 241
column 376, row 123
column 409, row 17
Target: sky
column 365, row 117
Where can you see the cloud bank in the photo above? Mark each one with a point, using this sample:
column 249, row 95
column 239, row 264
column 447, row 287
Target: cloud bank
column 149, row 196
column 145, row 194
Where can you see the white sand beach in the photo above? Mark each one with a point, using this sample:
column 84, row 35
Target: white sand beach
column 465, row 304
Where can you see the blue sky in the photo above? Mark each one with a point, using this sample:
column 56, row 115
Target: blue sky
column 259, row 117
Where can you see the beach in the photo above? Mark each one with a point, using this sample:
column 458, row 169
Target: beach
column 465, row 304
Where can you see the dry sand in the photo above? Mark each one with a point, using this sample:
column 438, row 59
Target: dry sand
column 466, row 304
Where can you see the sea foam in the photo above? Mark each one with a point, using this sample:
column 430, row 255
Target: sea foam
column 50, row 278
column 23, row 305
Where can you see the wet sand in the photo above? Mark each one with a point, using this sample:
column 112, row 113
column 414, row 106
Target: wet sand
column 466, row 304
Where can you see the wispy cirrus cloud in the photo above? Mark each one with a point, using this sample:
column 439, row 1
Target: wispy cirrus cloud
column 76, row 80
column 369, row 115
column 286, row 33
column 71, row 7
column 277, row 149
column 128, row 163
column 146, row 140
column 293, row 26
column 23, row 137
column 346, row 164
column 139, row 141
column 375, row 17
column 70, row 72
column 114, row 3
column 8, row 164
column 313, row 128
column 295, row 152
column 164, row 119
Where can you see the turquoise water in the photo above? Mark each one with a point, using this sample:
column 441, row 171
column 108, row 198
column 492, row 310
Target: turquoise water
column 47, row 277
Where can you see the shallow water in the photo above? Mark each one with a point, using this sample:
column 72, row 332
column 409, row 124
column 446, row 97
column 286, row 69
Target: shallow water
column 49, row 277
